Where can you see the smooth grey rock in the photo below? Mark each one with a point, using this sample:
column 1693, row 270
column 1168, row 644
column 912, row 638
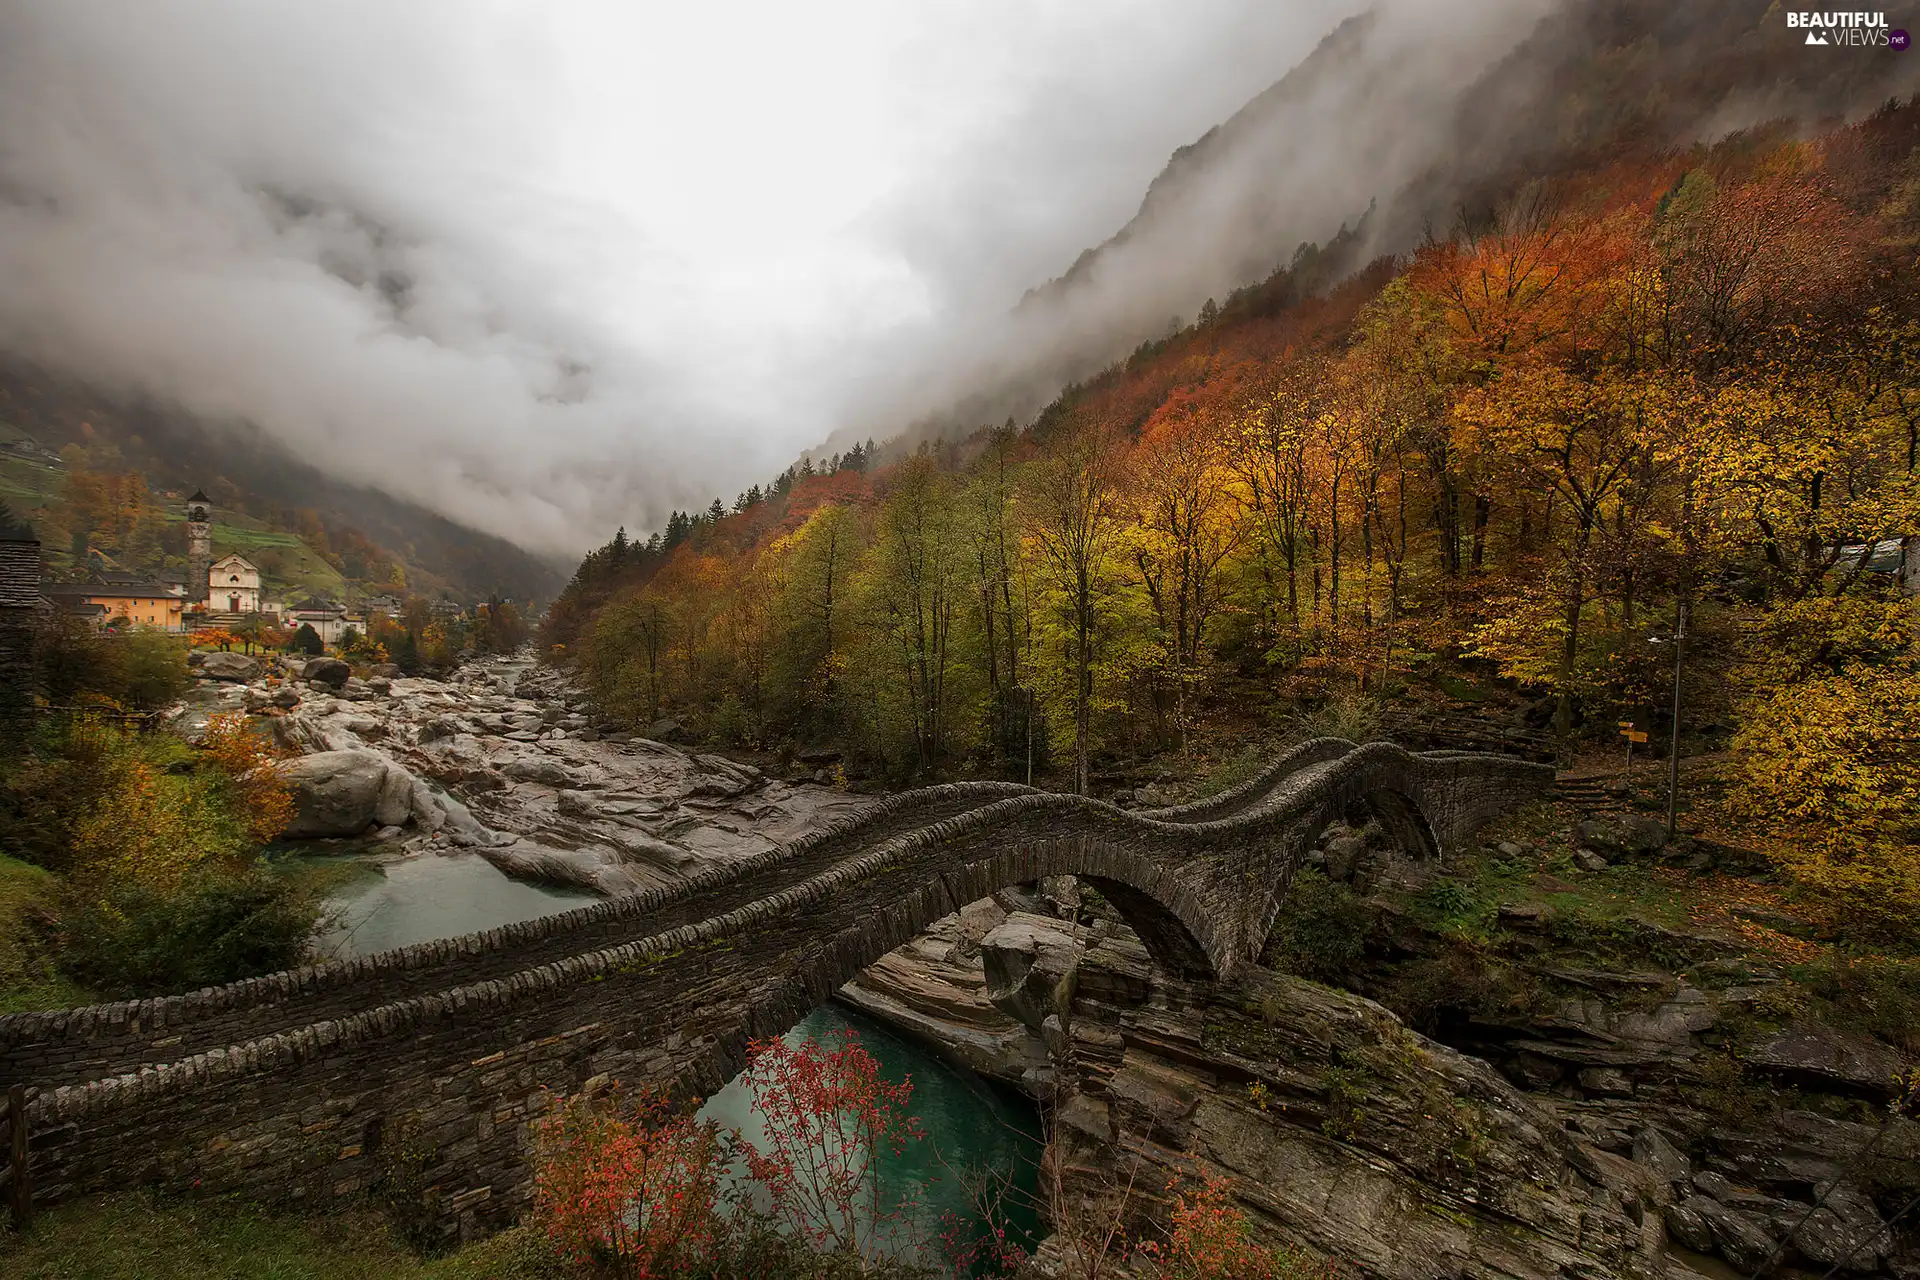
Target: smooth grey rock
column 668, row 729
column 1846, row 1230
column 337, row 793
column 1821, row 1053
column 1737, row 1237
column 1609, row 1081
column 541, row 769
column 1523, row 915
column 1031, row 962
column 1344, row 855
column 575, row 804
column 395, row 802
column 1589, row 860
column 235, row 667
column 1687, row 1225
column 975, row 921
column 1053, row 1034
column 437, row 728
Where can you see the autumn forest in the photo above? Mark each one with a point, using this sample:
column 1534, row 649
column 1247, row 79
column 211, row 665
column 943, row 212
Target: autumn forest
column 1678, row 383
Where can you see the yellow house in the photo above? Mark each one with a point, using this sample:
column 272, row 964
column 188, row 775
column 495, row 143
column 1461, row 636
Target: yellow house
column 146, row 604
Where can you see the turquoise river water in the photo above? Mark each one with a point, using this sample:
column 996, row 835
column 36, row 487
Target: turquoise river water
column 977, row 1133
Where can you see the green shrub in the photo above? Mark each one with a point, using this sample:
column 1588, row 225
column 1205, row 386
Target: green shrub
column 1877, row 994
column 306, row 640
column 1353, row 716
column 1322, row 931
column 1454, row 908
column 730, row 725
column 1461, row 984
column 89, row 799
column 153, row 668
column 130, row 941
column 137, row 668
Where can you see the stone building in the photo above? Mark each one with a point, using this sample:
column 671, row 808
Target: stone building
column 329, row 621
column 199, row 546
column 233, row 586
column 135, row 602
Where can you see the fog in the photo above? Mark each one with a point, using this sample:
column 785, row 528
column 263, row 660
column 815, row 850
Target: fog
column 551, row 267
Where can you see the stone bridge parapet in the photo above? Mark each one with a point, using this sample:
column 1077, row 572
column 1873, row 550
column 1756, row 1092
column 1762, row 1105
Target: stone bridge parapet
column 311, row 1085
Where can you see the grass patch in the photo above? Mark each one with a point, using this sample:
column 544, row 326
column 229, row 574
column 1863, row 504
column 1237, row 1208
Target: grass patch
column 1322, row 932
column 28, row 979
column 1878, row 995
column 138, row 1236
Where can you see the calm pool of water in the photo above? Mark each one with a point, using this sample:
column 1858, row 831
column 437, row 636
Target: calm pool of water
column 975, row 1129
column 379, row 901
column 978, row 1135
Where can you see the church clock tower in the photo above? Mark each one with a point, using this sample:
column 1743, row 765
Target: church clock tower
column 199, row 546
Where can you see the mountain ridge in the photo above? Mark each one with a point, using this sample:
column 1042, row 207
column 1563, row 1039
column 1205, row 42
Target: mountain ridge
column 249, row 474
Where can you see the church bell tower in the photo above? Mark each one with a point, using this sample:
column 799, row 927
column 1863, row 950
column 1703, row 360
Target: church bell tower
column 199, row 546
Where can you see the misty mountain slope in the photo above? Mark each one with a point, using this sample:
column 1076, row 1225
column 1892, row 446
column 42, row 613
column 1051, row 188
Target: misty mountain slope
column 1398, row 121
column 246, row 470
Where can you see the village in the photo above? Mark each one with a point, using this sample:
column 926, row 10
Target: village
column 229, row 594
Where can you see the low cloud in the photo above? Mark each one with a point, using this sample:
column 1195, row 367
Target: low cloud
column 546, row 269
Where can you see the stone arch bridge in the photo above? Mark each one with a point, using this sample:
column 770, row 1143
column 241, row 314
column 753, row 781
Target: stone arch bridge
column 305, row 1085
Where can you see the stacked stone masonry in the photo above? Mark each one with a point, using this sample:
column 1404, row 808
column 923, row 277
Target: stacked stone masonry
column 421, row 1068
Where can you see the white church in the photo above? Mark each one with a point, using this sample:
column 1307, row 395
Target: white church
column 233, row 586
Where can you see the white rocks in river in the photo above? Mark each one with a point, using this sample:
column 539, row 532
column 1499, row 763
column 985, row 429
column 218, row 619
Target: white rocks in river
column 342, row 793
column 557, row 802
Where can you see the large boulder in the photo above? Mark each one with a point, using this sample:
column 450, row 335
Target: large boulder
column 668, row 730
column 237, row 667
column 328, row 671
column 1031, row 962
column 342, row 793
column 1816, row 1054
column 337, row 793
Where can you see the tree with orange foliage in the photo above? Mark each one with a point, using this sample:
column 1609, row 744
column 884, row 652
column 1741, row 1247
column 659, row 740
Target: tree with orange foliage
column 1182, row 491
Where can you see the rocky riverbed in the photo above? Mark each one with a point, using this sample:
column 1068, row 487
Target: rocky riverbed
column 503, row 760
column 1645, row 1120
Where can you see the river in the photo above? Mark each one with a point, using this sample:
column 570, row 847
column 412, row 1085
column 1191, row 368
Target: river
column 378, row 901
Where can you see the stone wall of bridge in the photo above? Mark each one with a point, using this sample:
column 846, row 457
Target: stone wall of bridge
column 423, row 1068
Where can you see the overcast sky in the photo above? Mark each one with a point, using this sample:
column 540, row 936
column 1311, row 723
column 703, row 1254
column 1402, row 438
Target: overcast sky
column 552, row 265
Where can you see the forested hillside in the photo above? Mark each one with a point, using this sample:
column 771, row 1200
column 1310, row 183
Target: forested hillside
column 1677, row 379
column 92, row 469
column 1390, row 128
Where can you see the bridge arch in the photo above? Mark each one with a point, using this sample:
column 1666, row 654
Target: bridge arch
column 663, row 989
column 1169, row 917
